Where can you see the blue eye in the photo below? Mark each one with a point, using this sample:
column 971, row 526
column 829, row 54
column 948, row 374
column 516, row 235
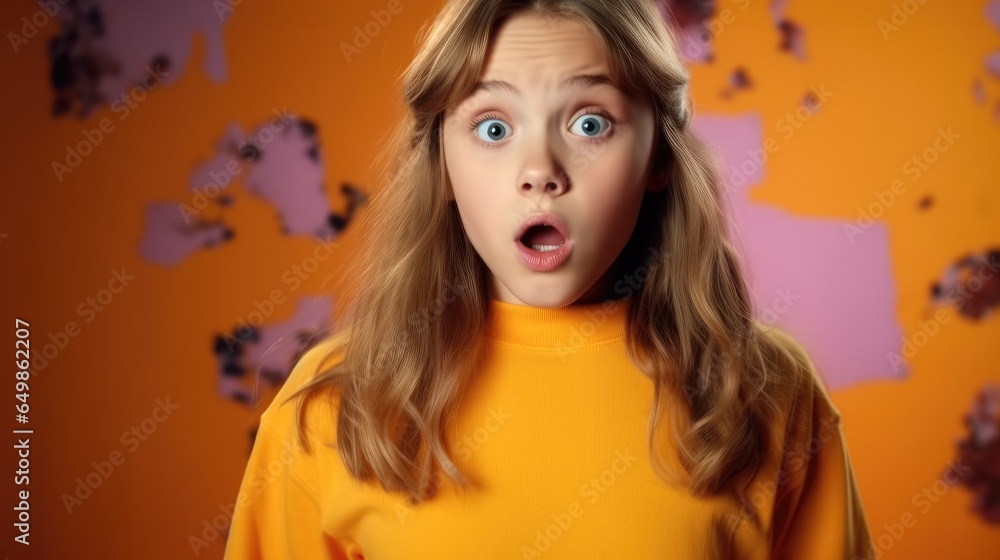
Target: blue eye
column 490, row 129
column 591, row 125
column 494, row 129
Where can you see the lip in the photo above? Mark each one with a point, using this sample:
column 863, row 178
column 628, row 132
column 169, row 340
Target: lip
column 545, row 219
column 539, row 261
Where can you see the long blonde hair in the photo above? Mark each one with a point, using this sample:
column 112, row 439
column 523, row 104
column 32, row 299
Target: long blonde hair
column 419, row 292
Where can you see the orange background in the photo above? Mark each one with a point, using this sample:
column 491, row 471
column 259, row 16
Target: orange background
column 154, row 340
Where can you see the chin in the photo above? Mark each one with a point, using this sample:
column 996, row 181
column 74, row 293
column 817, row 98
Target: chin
column 541, row 297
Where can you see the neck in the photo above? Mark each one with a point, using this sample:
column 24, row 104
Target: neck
column 571, row 327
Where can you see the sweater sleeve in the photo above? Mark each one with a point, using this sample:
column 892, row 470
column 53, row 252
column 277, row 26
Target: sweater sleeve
column 278, row 513
column 818, row 510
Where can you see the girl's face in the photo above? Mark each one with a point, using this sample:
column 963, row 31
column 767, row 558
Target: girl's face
column 531, row 141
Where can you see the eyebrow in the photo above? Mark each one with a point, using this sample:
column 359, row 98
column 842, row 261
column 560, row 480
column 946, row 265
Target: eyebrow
column 576, row 81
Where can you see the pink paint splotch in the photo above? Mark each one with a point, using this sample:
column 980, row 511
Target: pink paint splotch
column 837, row 297
column 172, row 235
column 140, row 30
column 993, row 13
column 113, row 52
column 694, row 24
column 991, row 61
column 252, row 354
column 280, row 161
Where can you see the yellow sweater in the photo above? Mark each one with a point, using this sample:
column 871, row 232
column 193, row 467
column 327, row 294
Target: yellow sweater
column 555, row 431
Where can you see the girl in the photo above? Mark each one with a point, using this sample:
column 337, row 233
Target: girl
column 550, row 350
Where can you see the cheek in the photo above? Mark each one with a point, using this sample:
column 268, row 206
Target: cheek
column 477, row 195
column 466, row 170
column 614, row 195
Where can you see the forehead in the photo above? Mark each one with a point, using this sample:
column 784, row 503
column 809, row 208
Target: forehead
column 542, row 50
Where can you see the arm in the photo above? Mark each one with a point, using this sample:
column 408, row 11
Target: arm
column 277, row 514
column 818, row 510
column 820, row 514
column 278, row 510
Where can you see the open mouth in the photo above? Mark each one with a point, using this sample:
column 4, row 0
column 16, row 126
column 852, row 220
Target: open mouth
column 542, row 242
column 543, row 238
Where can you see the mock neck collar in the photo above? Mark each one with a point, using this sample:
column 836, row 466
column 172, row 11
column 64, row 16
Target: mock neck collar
column 571, row 327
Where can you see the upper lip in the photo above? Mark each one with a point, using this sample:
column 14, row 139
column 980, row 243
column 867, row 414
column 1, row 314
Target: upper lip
column 545, row 219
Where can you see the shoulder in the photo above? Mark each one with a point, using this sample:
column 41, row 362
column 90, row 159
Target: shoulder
column 281, row 413
column 292, row 472
column 809, row 405
column 813, row 502
column 809, row 380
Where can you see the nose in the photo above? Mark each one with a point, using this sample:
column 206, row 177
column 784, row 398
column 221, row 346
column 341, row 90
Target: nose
column 542, row 174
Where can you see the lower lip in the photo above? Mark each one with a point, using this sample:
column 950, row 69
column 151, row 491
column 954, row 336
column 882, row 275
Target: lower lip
column 543, row 261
